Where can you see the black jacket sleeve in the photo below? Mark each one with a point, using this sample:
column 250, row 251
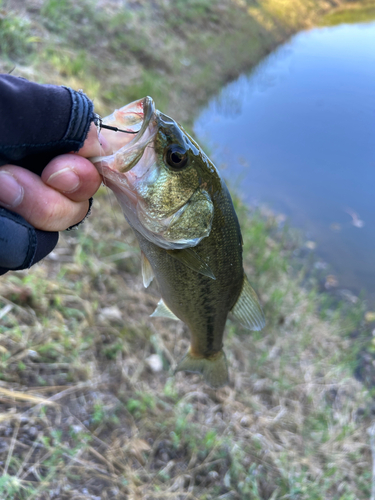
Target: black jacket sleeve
column 37, row 123
column 21, row 245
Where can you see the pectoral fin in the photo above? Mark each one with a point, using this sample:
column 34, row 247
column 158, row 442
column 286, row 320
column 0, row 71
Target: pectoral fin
column 163, row 311
column 147, row 272
column 193, row 261
column 247, row 309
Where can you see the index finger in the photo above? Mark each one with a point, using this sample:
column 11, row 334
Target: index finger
column 95, row 144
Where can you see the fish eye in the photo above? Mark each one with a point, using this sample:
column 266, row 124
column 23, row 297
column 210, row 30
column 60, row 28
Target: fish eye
column 176, row 157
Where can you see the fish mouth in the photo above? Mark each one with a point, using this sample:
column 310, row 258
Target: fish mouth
column 133, row 118
column 137, row 124
column 148, row 106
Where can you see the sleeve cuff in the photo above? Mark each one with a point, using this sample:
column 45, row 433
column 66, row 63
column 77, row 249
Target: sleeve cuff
column 91, row 201
column 21, row 244
column 82, row 115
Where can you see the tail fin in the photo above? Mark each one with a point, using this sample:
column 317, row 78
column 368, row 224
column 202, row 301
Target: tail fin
column 214, row 369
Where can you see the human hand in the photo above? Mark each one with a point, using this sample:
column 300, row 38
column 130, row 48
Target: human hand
column 60, row 197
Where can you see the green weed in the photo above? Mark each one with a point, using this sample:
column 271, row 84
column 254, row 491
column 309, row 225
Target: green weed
column 191, row 12
column 12, row 487
column 354, row 12
column 68, row 63
column 60, row 15
column 141, row 405
column 17, row 41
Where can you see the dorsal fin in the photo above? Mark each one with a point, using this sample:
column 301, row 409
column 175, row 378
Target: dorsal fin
column 247, row 309
column 193, row 261
column 163, row 311
column 147, row 272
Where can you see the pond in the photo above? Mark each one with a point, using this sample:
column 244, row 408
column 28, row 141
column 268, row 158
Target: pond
column 298, row 134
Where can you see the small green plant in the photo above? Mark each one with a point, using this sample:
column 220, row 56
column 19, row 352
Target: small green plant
column 68, row 63
column 141, row 405
column 98, row 413
column 16, row 37
column 111, row 351
column 13, row 488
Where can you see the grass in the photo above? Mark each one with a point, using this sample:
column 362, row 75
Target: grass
column 350, row 13
column 77, row 338
column 84, row 411
column 178, row 52
column 16, row 37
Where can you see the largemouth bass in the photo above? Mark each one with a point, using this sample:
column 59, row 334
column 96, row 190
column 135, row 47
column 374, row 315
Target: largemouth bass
column 183, row 217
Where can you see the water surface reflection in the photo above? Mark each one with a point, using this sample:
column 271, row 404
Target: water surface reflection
column 299, row 134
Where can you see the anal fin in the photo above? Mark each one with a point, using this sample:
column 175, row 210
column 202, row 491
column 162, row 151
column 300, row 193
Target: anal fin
column 247, row 309
column 163, row 311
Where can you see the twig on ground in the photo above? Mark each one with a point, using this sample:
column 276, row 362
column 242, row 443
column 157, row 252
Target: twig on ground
column 24, row 397
column 5, row 310
column 11, row 448
column 28, row 454
column 371, row 432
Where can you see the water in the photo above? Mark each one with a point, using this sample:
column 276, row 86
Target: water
column 298, row 134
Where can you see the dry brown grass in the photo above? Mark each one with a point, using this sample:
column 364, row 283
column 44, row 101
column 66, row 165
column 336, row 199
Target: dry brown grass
column 83, row 416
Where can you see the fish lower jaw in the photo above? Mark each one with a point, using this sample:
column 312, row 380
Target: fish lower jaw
column 119, row 185
column 112, row 177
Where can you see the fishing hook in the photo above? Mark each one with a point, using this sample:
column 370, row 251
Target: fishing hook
column 99, row 123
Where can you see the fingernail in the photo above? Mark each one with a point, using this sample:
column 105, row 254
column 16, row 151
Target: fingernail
column 65, row 180
column 11, row 193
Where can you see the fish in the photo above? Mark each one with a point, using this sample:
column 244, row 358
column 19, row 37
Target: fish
column 183, row 216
